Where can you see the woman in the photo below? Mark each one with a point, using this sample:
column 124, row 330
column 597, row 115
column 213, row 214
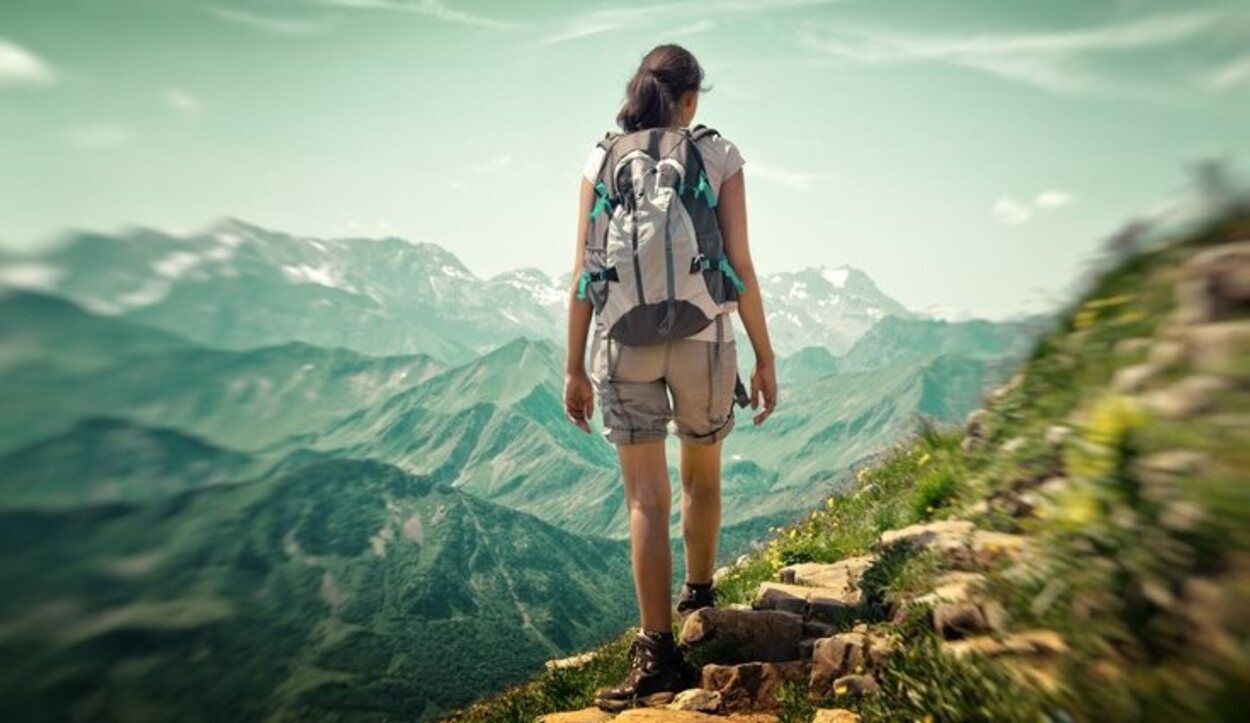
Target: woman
column 665, row 93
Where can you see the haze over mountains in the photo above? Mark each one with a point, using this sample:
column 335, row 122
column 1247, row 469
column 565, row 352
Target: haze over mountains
column 376, row 296
column 240, row 430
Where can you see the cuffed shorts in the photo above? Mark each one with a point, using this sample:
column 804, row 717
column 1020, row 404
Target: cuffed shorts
column 633, row 385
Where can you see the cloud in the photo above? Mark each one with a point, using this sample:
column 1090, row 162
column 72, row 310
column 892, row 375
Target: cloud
column 702, row 25
column 798, row 180
column 100, row 135
column 1234, row 73
column 1050, row 60
column 634, row 16
column 275, row 24
column 430, row 8
column 1052, row 199
column 1011, row 212
column 20, row 67
column 495, row 166
column 183, row 102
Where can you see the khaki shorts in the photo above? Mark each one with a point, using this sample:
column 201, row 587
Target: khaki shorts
column 633, row 390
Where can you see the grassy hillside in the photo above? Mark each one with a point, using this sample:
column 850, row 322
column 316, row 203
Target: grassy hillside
column 334, row 590
column 1105, row 487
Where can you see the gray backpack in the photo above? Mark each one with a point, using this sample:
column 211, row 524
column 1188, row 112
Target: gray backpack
column 655, row 268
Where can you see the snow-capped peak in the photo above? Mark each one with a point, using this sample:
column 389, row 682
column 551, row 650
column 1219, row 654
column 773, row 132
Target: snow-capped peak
column 836, row 276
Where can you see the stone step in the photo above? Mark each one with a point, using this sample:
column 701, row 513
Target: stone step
column 751, row 686
column 842, row 574
column 959, row 544
column 739, row 636
column 830, row 605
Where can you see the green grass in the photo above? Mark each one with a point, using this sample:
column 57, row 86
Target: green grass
column 1152, row 611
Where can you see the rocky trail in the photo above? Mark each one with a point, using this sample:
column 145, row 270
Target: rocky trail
column 818, row 622
column 1078, row 549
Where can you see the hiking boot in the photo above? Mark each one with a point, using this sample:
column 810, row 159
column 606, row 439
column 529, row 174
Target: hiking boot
column 657, row 672
column 694, row 597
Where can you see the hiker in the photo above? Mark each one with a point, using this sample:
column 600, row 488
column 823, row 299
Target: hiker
column 661, row 261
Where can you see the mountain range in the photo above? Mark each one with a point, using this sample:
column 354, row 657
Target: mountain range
column 355, row 452
column 235, row 285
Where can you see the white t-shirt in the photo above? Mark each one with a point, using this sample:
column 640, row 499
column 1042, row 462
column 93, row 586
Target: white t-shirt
column 721, row 160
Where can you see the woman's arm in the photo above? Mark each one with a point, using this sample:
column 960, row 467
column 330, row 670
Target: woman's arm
column 579, row 403
column 731, row 210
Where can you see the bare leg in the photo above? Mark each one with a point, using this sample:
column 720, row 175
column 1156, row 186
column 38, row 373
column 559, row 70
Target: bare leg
column 700, row 507
column 647, row 492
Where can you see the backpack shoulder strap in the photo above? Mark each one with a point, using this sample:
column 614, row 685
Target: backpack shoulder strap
column 608, row 139
column 701, row 131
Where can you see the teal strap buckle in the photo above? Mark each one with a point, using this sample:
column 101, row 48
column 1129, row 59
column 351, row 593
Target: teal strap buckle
column 733, row 275
column 703, row 263
column 602, row 204
column 705, row 189
column 582, row 282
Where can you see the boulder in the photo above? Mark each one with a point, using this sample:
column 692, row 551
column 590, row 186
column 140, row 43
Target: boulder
column 1161, row 473
column 836, row 656
column 1167, row 353
column 1133, row 346
column 1040, row 643
column 855, row 686
column 1219, row 348
column 954, row 621
column 936, row 536
column 737, row 636
column 816, row 603
column 835, row 715
column 975, row 424
column 697, row 699
column 1216, row 284
column 1133, row 379
column 751, row 686
column 844, row 574
column 1057, row 434
column 990, row 548
column 952, row 587
column 1191, row 396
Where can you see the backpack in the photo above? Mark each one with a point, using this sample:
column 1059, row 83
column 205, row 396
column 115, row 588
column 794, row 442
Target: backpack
column 654, row 266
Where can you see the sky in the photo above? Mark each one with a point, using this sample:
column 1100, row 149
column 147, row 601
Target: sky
column 968, row 155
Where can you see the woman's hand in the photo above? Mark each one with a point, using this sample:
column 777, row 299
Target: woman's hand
column 763, row 384
column 579, row 399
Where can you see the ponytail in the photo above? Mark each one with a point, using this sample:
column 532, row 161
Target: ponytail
column 651, row 95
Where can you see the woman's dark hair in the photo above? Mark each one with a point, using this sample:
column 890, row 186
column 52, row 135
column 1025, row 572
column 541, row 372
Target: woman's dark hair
column 651, row 95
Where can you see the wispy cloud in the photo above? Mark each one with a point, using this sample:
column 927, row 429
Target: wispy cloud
column 1051, row 60
column 20, row 67
column 1234, row 73
column 276, row 24
column 430, row 8
column 100, row 135
column 494, row 166
column 798, row 180
column 183, row 102
column 633, row 16
column 1011, row 212
column 1052, row 199
column 702, row 25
